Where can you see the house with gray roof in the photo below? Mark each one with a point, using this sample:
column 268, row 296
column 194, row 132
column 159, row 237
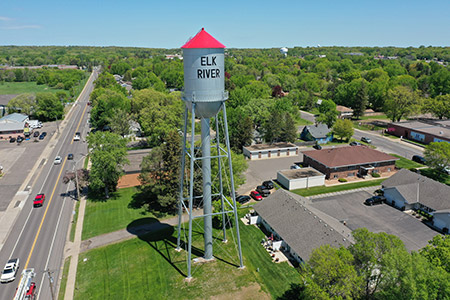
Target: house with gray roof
column 408, row 190
column 318, row 132
column 12, row 125
column 300, row 227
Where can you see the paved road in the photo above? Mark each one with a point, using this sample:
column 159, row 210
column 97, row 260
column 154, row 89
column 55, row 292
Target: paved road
column 382, row 143
column 38, row 236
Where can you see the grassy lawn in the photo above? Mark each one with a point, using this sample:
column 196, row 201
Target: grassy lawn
column 405, row 163
column 302, row 122
column 7, row 88
column 436, row 175
column 336, row 188
column 73, row 226
column 114, row 214
column 149, row 268
column 62, row 288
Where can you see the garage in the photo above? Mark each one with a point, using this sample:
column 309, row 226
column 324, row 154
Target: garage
column 441, row 220
column 300, row 178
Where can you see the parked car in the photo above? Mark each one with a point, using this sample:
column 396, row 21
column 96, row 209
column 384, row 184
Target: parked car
column 243, row 199
column 355, row 144
column 262, row 190
column 317, row 146
column 10, row 270
column 36, row 134
column 58, row 160
column 295, row 167
column 12, row 140
column 446, row 170
column 375, row 200
column 42, row 136
column 255, row 195
column 268, row 184
column 39, row 200
column 419, row 159
column 19, row 139
column 44, row 133
column 70, row 156
column 366, row 140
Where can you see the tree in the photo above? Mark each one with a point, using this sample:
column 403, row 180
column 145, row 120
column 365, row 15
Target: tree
column 401, row 102
column 106, row 105
column 49, row 107
column 24, row 103
column 120, row 122
column 240, row 127
column 437, row 155
column 328, row 113
column 375, row 255
column 343, row 128
column 333, row 272
column 288, row 130
column 108, row 156
column 437, row 252
column 439, row 106
column 361, row 98
column 81, row 176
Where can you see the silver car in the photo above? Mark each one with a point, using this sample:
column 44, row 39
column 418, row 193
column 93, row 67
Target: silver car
column 10, row 270
column 58, row 160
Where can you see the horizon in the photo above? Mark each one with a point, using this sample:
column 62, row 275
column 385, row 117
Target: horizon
column 238, row 25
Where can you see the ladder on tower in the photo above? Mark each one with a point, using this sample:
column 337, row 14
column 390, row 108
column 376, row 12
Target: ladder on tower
column 26, row 286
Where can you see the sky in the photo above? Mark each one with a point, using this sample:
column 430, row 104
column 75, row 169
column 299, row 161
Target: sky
column 235, row 23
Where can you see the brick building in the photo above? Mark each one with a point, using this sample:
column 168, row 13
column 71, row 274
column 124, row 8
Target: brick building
column 437, row 131
column 349, row 161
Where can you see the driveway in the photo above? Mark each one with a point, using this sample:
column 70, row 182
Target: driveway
column 378, row 218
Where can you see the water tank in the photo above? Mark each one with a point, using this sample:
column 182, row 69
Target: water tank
column 284, row 51
column 204, row 74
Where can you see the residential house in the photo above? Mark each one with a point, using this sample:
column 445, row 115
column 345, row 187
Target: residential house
column 318, row 132
column 344, row 112
column 408, row 190
column 349, row 161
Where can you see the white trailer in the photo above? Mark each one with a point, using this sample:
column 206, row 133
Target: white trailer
column 27, row 287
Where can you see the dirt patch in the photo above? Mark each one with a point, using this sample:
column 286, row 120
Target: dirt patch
column 128, row 180
column 252, row 291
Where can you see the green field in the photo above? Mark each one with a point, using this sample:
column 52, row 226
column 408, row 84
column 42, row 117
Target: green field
column 337, row 188
column 9, row 88
column 111, row 215
column 404, row 163
column 149, row 268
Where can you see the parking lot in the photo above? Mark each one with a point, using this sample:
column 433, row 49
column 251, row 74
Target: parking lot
column 265, row 169
column 17, row 160
column 377, row 218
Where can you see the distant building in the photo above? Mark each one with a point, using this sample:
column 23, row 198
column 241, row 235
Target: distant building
column 437, row 131
column 344, row 112
column 318, row 132
column 264, row 151
column 350, row 161
column 12, row 125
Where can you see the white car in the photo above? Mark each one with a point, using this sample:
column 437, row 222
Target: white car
column 10, row 270
column 77, row 136
column 58, row 160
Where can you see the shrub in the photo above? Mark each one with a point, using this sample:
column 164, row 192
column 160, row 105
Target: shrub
column 376, row 175
column 342, row 180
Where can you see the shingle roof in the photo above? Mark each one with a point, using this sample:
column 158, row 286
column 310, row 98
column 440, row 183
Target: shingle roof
column 341, row 108
column 302, row 227
column 318, row 131
column 346, row 156
column 433, row 194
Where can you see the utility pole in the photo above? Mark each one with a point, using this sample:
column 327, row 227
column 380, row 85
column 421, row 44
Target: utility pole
column 50, row 280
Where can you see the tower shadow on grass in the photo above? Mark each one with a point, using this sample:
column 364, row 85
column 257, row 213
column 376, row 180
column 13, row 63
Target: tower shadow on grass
column 160, row 236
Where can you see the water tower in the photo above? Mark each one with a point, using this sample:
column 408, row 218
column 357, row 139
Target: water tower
column 284, row 51
column 204, row 96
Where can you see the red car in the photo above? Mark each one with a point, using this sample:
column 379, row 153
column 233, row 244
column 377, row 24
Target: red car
column 39, row 200
column 255, row 195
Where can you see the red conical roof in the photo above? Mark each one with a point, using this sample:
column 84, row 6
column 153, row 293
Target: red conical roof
column 203, row 40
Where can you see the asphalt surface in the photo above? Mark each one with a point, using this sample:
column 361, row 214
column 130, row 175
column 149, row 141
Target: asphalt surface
column 350, row 207
column 38, row 235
